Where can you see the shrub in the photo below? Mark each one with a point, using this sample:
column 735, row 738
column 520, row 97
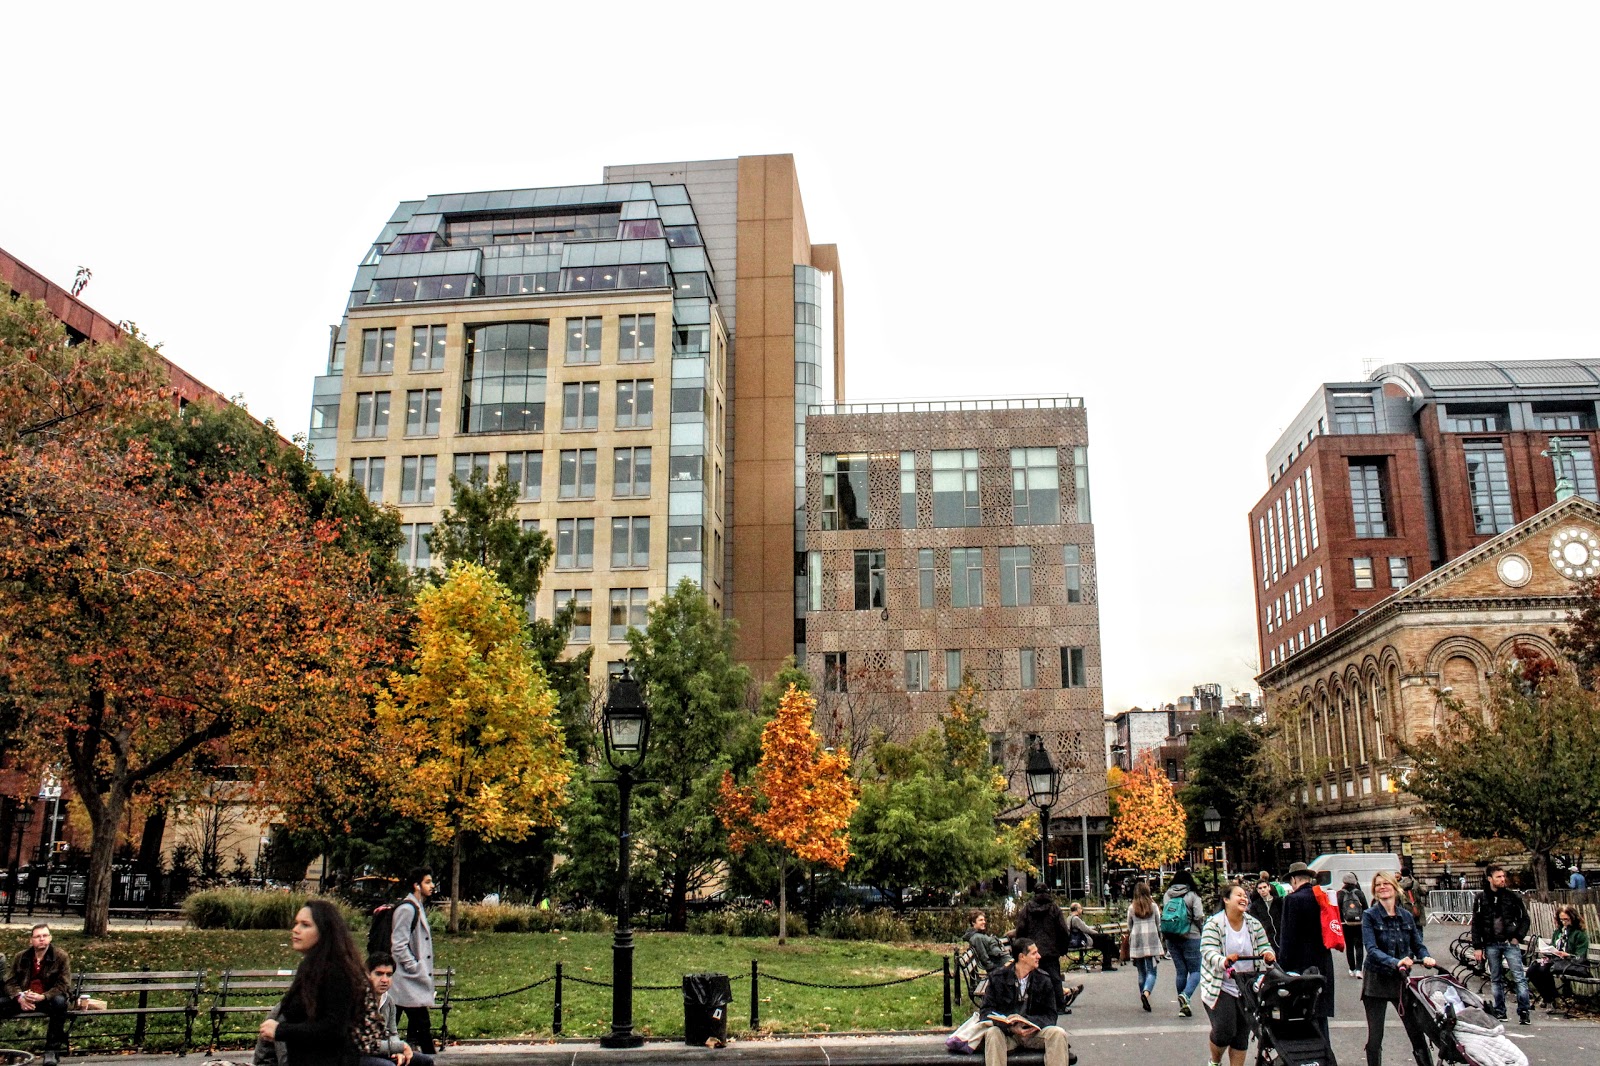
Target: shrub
column 252, row 908
column 523, row 918
column 744, row 921
column 852, row 924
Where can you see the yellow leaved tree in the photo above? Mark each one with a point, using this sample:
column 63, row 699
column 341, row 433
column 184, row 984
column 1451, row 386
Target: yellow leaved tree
column 469, row 733
column 800, row 800
column 1150, row 828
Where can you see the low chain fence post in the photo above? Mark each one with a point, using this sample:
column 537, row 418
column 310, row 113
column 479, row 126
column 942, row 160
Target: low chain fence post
column 755, row 997
column 948, row 1020
column 555, row 1027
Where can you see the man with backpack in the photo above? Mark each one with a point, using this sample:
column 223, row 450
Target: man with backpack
column 410, row 942
column 1182, row 916
column 1352, row 905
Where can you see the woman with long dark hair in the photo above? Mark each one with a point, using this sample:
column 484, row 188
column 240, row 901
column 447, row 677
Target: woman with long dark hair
column 327, row 999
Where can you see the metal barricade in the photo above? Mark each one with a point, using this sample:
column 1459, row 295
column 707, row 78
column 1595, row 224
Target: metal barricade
column 1451, row 906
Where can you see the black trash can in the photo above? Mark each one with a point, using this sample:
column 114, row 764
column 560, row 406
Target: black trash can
column 705, row 1008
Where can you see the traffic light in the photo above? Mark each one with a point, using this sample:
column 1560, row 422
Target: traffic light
column 1050, row 859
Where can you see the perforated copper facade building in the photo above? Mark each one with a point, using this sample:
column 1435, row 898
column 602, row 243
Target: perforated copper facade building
column 943, row 537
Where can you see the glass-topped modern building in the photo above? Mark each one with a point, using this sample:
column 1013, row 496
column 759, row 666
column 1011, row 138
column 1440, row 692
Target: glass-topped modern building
column 586, row 338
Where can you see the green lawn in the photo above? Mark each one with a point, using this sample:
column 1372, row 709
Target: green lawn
column 494, row 962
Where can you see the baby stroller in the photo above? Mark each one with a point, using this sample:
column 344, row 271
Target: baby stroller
column 1281, row 1008
column 1459, row 1024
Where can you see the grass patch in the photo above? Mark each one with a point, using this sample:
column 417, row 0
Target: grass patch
column 493, row 962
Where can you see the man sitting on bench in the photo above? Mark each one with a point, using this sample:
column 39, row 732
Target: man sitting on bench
column 1021, row 1002
column 39, row 982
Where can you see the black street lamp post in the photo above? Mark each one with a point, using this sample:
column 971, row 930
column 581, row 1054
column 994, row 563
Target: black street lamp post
column 1044, row 787
column 20, row 817
column 1213, row 823
column 627, row 732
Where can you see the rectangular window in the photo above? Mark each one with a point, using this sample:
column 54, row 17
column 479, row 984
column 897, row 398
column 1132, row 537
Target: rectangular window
column 924, row 577
column 504, row 378
column 469, row 463
column 1287, row 509
column 1072, row 555
column 1035, row 487
column 583, row 340
column 844, row 492
column 690, row 401
column 908, row 490
column 1317, row 575
column 422, row 412
column 1355, row 419
column 1016, row 577
column 377, row 351
column 1362, row 568
column 872, row 574
column 1311, row 510
column 835, row 672
column 1300, row 514
column 1272, row 544
column 687, row 467
column 1080, row 480
column 1491, row 490
column 574, row 543
column 1366, row 498
column 577, row 474
column 684, row 539
column 580, row 405
column 627, row 612
column 583, row 614
column 1298, row 607
column 630, row 472
column 630, row 542
column 418, row 474
column 368, row 475
column 952, row 670
column 955, row 488
column 1468, row 422
column 1028, row 668
column 1577, row 463
column 966, row 577
column 427, row 348
column 1322, row 626
column 372, row 415
column 813, row 581
column 1399, row 571
column 916, row 671
column 1266, row 564
column 526, row 471
column 636, row 404
column 636, row 339
column 1073, row 674
column 414, row 551
column 324, row 416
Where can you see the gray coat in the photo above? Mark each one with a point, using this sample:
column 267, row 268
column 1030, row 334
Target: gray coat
column 392, row 1042
column 411, row 944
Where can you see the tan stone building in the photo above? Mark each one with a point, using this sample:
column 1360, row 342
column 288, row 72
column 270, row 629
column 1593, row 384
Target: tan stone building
column 587, row 338
column 951, row 537
column 1345, row 701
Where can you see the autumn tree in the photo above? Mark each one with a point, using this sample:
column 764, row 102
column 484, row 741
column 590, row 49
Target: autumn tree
column 800, row 798
column 700, row 726
column 469, row 730
column 929, row 810
column 1149, row 830
column 1527, row 773
column 1230, row 767
column 149, row 619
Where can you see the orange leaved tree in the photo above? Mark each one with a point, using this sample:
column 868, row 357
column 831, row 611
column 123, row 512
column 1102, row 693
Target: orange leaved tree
column 1150, row 827
column 800, row 800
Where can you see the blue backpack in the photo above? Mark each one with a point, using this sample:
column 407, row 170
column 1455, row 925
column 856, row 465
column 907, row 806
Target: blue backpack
column 1175, row 916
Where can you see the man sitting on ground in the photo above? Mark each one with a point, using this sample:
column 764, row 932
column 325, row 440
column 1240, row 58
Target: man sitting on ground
column 380, row 971
column 1021, row 1002
column 39, row 982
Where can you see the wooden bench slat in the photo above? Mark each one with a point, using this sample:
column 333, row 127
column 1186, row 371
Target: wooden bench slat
column 114, row 990
column 131, row 1010
column 136, row 975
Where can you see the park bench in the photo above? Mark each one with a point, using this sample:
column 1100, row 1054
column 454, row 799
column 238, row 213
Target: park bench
column 140, row 994
column 256, row 992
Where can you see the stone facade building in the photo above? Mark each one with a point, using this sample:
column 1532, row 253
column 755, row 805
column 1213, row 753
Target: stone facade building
column 1343, row 703
column 943, row 538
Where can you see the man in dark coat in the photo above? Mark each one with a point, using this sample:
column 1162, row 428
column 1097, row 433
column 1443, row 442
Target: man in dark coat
column 1300, row 946
column 1021, row 999
column 1042, row 922
column 40, row 980
column 1499, row 925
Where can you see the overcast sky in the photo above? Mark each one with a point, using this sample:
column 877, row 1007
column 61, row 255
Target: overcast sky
column 1188, row 214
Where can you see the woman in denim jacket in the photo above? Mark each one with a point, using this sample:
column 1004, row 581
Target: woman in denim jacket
column 1393, row 945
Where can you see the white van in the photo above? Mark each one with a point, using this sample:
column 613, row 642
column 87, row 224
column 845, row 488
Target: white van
column 1332, row 867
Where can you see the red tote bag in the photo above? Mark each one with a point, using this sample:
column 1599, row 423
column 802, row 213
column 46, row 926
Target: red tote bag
column 1332, row 927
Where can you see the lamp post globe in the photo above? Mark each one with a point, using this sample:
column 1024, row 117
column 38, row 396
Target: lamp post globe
column 1044, row 787
column 627, row 736
column 1212, row 819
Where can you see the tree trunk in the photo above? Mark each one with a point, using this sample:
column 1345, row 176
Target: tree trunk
column 106, row 817
column 677, row 905
column 1541, row 871
column 783, row 899
column 455, row 884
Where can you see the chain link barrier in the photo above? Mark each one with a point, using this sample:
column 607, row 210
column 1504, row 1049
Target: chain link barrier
column 876, row 984
column 503, row 995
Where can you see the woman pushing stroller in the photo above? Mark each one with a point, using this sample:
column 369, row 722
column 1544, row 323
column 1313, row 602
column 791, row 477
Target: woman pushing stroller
column 1228, row 936
column 1393, row 945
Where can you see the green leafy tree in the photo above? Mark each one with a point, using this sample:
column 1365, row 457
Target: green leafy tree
column 1527, row 773
column 700, row 726
column 929, row 810
column 1230, row 768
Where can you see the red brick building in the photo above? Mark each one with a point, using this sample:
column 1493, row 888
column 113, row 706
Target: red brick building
column 1379, row 482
